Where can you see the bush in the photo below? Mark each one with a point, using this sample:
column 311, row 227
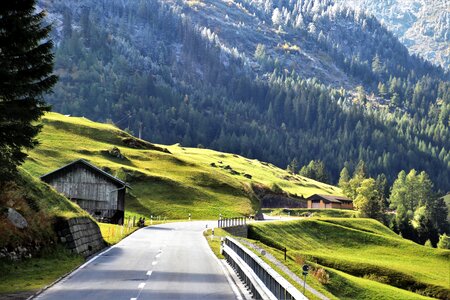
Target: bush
column 299, row 259
column 444, row 242
column 321, row 275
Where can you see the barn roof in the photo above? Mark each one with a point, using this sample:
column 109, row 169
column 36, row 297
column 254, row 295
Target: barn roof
column 88, row 166
column 329, row 198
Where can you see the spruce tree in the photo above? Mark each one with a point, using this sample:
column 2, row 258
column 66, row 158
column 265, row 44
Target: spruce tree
column 26, row 65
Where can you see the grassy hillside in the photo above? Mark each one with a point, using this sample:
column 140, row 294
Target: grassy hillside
column 361, row 248
column 168, row 181
column 39, row 205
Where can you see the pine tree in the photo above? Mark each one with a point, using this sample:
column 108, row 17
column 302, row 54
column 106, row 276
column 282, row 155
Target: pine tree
column 292, row 167
column 351, row 190
column 344, row 178
column 26, row 64
column 368, row 201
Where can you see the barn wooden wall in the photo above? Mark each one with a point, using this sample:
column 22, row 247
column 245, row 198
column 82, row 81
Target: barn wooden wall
column 91, row 190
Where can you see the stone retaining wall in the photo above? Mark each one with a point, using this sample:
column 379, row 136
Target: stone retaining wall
column 241, row 231
column 81, row 235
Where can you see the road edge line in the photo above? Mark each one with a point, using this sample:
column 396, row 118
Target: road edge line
column 68, row 274
column 232, row 284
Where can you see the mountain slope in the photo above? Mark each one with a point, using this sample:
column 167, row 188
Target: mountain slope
column 259, row 80
column 167, row 181
column 422, row 25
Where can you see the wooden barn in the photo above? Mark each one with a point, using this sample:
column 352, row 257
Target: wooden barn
column 94, row 190
column 329, row 201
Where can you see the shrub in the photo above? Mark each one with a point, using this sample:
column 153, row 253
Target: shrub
column 444, row 242
column 299, row 259
column 321, row 275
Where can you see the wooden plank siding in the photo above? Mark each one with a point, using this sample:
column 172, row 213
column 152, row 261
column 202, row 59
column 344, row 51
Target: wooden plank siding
column 97, row 192
column 337, row 202
column 83, row 184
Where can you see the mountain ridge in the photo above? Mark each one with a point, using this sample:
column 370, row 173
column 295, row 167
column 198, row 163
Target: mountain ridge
column 423, row 26
column 153, row 68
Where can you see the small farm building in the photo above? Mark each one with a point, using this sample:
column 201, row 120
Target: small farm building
column 96, row 191
column 329, row 201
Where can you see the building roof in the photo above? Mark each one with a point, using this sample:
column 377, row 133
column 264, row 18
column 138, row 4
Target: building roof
column 88, row 165
column 329, row 198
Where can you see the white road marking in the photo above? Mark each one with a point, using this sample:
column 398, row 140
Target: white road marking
column 154, row 263
column 158, row 255
column 141, row 285
column 233, row 285
column 149, row 273
column 133, row 298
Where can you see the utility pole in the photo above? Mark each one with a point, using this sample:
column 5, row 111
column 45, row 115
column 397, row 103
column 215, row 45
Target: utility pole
column 140, row 129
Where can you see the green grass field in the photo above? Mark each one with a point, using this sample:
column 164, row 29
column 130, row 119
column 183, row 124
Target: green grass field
column 202, row 182
column 19, row 278
column 355, row 250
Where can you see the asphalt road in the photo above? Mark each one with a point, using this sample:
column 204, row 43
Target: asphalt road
column 170, row 261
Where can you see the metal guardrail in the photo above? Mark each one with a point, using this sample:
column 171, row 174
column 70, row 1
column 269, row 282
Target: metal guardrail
column 231, row 222
column 263, row 281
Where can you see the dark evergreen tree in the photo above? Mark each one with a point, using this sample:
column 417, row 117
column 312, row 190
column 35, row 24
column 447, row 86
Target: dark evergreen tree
column 26, row 65
column 315, row 170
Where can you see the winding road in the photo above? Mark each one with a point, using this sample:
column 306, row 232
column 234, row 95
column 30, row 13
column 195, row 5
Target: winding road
column 170, row 261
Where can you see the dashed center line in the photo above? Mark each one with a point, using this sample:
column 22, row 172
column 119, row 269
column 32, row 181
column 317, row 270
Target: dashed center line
column 154, row 263
column 141, row 285
column 149, row 273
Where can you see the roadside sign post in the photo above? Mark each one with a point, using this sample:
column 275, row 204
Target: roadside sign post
column 285, row 250
column 305, row 269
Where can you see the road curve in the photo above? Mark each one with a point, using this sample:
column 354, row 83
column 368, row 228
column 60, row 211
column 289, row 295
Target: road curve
column 170, row 261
